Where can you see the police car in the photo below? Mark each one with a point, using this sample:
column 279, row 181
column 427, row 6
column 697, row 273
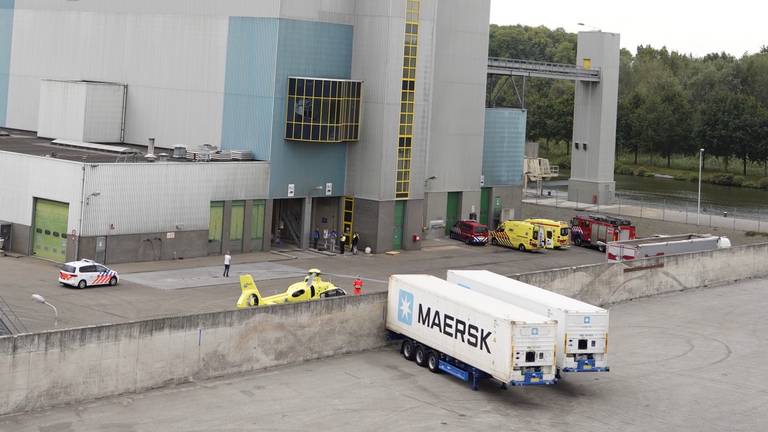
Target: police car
column 85, row 273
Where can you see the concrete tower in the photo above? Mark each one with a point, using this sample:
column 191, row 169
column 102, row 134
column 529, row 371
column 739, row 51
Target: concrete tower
column 594, row 120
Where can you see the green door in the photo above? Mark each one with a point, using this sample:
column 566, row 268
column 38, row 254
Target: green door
column 50, row 230
column 397, row 237
column 485, row 204
column 452, row 211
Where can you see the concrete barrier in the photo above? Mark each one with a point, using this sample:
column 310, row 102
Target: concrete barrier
column 56, row 367
column 612, row 282
column 52, row 368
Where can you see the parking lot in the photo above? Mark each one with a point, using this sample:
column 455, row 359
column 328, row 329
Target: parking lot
column 155, row 289
column 679, row 362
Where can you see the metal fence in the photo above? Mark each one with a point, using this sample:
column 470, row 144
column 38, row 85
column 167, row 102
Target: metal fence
column 9, row 322
column 680, row 211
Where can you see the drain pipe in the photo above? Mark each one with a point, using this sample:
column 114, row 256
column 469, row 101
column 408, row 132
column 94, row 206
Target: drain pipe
column 82, row 209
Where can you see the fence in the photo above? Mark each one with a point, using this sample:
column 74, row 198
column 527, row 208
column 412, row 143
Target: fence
column 681, row 211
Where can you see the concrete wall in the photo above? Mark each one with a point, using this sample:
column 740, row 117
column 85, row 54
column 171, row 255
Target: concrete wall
column 148, row 246
column 608, row 283
column 65, row 366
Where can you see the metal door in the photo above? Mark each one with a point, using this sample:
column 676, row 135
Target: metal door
column 50, row 230
column 397, row 235
column 452, row 210
column 485, row 204
column 101, row 249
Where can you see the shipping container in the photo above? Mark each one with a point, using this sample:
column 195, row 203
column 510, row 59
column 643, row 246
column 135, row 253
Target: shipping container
column 469, row 335
column 582, row 329
column 664, row 245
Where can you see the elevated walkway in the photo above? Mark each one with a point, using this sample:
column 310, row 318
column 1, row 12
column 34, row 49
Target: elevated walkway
column 530, row 68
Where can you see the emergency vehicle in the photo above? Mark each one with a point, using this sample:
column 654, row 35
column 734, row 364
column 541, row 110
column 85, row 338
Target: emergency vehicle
column 598, row 230
column 520, row 235
column 559, row 230
column 86, row 273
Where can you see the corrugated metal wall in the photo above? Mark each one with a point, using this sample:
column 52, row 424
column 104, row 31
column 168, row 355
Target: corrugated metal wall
column 173, row 64
column 308, row 49
column 143, row 197
column 504, row 147
column 6, row 33
column 27, row 177
column 458, row 95
column 250, row 85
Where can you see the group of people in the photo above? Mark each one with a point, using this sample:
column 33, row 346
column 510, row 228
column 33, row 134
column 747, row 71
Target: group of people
column 329, row 239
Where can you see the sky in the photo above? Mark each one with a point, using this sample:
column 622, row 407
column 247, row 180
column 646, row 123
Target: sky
column 689, row 27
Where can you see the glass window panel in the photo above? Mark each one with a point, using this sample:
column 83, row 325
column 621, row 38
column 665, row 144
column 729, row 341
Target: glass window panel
column 257, row 219
column 215, row 223
column 326, row 89
column 315, row 133
column 309, row 87
column 299, row 87
column 236, row 220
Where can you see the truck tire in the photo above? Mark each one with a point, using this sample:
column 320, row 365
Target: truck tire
column 420, row 356
column 433, row 361
column 406, row 349
column 521, row 248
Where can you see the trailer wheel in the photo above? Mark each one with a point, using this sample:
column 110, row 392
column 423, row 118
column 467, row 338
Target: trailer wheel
column 421, row 356
column 407, row 349
column 433, row 362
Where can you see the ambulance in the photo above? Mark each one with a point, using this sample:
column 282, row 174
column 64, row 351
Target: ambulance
column 559, row 231
column 520, row 235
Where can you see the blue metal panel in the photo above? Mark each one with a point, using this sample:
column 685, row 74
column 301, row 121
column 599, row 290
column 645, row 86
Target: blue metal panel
column 250, row 85
column 308, row 49
column 504, row 146
column 6, row 35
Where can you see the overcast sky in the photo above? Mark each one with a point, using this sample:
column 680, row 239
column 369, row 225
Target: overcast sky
column 690, row 27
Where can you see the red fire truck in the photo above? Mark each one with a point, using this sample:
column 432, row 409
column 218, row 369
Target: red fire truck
column 598, row 230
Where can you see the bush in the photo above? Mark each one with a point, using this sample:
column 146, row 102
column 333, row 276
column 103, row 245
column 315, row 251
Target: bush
column 640, row 171
column 738, row 180
column 763, row 183
column 750, row 184
column 724, row 179
column 623, row 170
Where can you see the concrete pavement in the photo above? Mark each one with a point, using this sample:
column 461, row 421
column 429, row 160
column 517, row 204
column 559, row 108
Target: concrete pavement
column 681, row 362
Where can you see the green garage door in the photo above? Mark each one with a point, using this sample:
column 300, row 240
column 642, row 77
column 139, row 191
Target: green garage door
column 452, row 211
column 50, row 230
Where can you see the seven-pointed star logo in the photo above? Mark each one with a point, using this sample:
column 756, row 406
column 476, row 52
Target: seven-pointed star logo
column 405, row 313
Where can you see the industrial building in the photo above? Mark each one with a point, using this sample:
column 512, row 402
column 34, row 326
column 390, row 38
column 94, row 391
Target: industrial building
column 360, row 115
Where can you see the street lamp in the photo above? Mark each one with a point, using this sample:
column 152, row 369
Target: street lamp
column 40, row 299
column 591, row 27
column 698, row 202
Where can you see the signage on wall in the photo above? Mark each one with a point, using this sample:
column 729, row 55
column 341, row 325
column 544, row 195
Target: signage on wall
column 170, row 235
column 328, row 189
column 482, row 180
column 291, row 189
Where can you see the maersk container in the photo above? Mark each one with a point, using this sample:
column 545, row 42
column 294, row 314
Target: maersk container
column 469, row 335
column 582, row 329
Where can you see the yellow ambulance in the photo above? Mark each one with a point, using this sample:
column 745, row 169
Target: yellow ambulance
column 558, row 231
column 521, row 235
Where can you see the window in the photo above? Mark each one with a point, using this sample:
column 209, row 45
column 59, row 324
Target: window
column 101, row 269
column 481, row 229
column 298, row 293
column 215, row 224
column 68, row 268
column 530, row 356
column 407, row 98
column 88, row 269
column 323, row 110
column 236, row 220
column 257, row 219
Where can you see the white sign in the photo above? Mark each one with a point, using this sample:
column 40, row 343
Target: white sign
column 482, row 180
column 170, row 235
column 291, row 189
column 328, row 189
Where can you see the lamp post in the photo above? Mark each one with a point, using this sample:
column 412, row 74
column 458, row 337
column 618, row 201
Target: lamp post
column 698, row 201
column 40, row 299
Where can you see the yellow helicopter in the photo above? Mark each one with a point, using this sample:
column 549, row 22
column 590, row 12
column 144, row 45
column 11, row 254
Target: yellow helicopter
column 313, row 287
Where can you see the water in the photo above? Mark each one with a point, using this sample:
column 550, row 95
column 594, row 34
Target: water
column 679, row 194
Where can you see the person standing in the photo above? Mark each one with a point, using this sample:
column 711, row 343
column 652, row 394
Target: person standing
column 342, row 243
column 227, row 263
column 315, row 237
column 355, row 241
column 334, row 236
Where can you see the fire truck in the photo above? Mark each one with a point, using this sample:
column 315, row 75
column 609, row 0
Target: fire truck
column 598, row 230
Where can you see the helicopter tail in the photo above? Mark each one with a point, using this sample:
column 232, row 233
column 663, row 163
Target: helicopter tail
column 250, row 296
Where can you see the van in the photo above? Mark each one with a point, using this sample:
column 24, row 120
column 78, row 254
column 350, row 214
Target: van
column 520, row 235
column 561, row 231
column 470, row 232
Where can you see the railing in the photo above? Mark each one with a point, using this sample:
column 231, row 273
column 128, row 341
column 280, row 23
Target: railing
column 9, row 322
column 500, row 66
